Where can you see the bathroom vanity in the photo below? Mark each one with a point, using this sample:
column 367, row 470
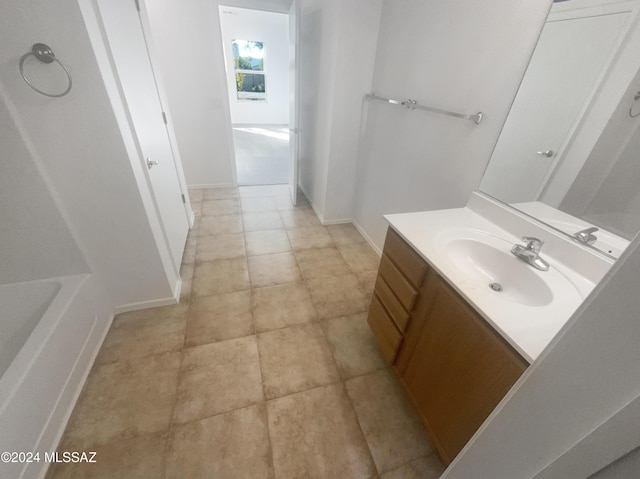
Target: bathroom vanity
column 460, row 318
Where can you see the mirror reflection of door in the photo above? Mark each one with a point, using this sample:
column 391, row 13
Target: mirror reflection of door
column 570, row 58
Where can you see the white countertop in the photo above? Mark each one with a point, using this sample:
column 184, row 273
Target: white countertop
column 529, row 329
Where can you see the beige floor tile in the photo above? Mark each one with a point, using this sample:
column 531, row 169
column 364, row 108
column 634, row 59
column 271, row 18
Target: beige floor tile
column 220, row 225
column 259, row 204
column 345, row 234
column 255, row 191
column 189, row 255
column 299, row 217
column 220, row 193
column 337, row 296
column 393, row 430
column 219, row 317
column 321, row 262
column 196, row 195
column 429, row 467
column 193, row 230
column 267, row 220
column 279, row 190
column 294, row 359
column 360, row 257
column 272, row 269
column 141, row 333
column 211, row 248
column 283, row 203
column 140, row 457
column 267, row 242
column 353, row 345
column 276, row 307
column 122, row 400
column 315, row 434
column 221, row 276
column 309, row 237
column 234, row 445
column 196, row 207
column 368, row 280
column 221, row 207
column 217, row 378
column 186, row 273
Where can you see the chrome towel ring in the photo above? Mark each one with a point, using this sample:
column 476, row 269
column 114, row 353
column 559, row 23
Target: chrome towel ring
column 43, row 53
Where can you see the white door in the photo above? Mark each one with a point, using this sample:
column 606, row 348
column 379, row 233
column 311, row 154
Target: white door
column 294, row 86
column 564, row 69
column 127, row 42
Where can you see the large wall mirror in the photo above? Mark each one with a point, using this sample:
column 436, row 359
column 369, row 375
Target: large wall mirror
column 569, row 152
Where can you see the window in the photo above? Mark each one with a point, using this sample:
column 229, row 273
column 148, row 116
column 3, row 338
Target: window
column 248, row 58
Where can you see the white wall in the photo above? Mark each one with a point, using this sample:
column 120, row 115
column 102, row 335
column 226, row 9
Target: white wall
column 457, row 55
column 31, row 225
column 581, row 385
column 188, row 47
column 357, row 41
column 273, row 30
column 318, row 48
column 337, row 49
column 81, row 147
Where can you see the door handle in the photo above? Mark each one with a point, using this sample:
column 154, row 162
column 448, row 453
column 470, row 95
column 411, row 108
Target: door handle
column 546, row 153
column 151, row 163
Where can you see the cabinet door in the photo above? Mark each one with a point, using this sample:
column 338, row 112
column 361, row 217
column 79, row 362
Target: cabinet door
column 458, row 372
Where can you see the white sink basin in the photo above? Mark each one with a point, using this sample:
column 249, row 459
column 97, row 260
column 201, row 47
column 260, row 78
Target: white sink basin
column 493, row 272
column 504, row 274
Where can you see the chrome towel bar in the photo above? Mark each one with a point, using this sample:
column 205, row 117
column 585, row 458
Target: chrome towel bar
column 413, row 105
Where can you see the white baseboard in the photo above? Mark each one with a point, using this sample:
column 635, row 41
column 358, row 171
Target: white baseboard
column 154, row 303
column 367, row 238
column 343, row 221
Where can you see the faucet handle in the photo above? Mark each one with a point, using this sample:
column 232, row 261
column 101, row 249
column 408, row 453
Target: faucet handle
column 533, row 243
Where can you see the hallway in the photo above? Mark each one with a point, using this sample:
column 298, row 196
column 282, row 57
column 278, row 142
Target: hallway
column 266, row 369
column 262, row 154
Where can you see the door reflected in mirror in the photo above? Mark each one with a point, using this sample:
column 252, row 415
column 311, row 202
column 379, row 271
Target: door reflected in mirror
column 567, row 153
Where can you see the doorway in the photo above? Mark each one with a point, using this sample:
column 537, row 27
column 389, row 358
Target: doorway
column 256, row 51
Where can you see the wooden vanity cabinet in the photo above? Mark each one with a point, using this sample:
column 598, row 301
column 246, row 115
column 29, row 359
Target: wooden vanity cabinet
column 454, row 366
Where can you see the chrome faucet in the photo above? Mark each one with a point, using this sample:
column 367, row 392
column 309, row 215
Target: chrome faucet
column 530, row 253
column 586, row 236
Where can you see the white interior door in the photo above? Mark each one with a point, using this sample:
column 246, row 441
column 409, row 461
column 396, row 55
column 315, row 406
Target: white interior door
column 294, row 86
column 564, row 69
column 128, row 45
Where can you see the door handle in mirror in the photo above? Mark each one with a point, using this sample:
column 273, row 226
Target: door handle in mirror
column 151, row 163
column 547, row 153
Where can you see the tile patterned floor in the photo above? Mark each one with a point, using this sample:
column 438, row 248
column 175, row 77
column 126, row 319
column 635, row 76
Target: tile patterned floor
column 266, row 369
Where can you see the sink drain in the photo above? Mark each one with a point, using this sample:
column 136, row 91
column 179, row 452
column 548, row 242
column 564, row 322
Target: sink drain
column 496, row 287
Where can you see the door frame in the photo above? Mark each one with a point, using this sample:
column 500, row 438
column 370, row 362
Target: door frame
column 164, row 103
column 267, row 7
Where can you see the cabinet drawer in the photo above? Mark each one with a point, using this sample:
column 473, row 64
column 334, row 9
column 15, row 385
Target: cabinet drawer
column 402, row 288
column 384, row 329
column 405, row 258
column 391, row 304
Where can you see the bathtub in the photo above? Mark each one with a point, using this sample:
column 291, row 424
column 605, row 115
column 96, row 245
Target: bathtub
column 50, row 331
